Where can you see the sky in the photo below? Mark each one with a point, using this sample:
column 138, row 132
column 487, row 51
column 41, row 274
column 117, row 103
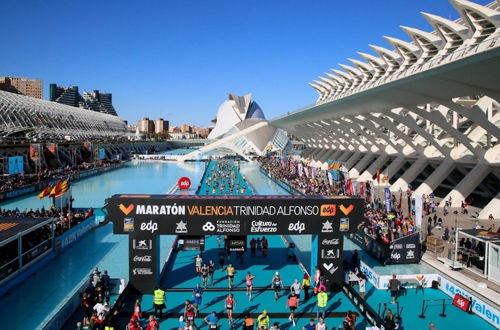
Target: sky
column 179, row 59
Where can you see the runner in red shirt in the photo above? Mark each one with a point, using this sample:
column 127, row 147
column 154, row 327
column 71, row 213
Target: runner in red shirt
column 152, row 324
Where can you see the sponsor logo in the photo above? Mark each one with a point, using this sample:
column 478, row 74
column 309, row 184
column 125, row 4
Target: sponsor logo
column 228, row 226
column 410, row 246
column 298, row 226
column 395, row 256
column 396, row 246
column 184, row 183
column 330, row 253
column 327, row 227
column 142, row 271
column 142, row 258
column 149, row 226
column 344, row 224
column 142, row 244
column 346, row 210
column 181, row 227
column 208, row 226
column 264, row 227
column 329, row 267
column 333, row 241
column 126, row 210
column 128, row 224
column 410, row 254
column 328, row 210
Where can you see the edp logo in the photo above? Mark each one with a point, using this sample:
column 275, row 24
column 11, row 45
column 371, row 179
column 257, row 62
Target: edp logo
column 149, row 226
column 298, row 226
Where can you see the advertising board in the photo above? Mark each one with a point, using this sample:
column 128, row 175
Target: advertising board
column 147, row 216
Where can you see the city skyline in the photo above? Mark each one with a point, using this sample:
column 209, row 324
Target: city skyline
column 179, row 62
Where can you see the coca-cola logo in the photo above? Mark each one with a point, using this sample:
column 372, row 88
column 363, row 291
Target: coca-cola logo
column 142, row 258
column 184, row 183
column 333, row 241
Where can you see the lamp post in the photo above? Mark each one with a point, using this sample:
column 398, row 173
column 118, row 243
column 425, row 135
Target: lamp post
column 456, row 238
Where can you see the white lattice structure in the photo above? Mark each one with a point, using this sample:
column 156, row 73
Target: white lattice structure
column 44, row 119
column 426, row 112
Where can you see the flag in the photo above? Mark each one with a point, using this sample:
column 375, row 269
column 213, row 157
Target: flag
column 331, row 164
column 378, row 175
column 56, row 189
column 63, row 188
column 400, row 204
column 45, row 192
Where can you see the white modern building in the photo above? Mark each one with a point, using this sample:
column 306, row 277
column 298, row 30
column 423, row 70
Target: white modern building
column 242, row 128
column 425, row 110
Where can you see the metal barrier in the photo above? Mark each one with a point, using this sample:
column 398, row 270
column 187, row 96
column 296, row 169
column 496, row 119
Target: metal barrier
column 425, row 305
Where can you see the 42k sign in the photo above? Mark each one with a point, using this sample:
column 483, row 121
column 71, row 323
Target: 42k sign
column 145, row 217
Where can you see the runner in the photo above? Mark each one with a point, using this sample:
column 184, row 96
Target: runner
column 198, row 262
column 322, row 325
column 249, row 282
column 204, row 275
column 197, row 294
column 230, row 275
column 190, row 312
column 211, row 320
column 137, row 309
column 211, row 271
column 248, row 323
column 295, row 287
column 230, row 304
column 293, row 304
column 277, row 285
column 263, row 320
column 152, row 323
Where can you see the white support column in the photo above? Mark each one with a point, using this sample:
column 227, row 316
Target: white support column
column 493, row 207
column 436, row 177
column 327, row 156
column 372, row 169
column 320, row 154
column 467, row 184
column 336, row 154
column 410, row 175
column 395, row 165
column 354, row 172
column 352, row 160
column 345, row 156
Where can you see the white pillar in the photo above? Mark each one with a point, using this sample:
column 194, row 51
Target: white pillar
column 493, row 207
column 337, row 154
column 354, row 172
column 352, row 160
column 345, row 156
column 411, row 173
column 436, row 177
column 467, row 184
column 368, row 174
column 395, row 165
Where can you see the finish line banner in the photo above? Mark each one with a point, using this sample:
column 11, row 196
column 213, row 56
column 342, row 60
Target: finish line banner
column 249, row 215
column 145, row 217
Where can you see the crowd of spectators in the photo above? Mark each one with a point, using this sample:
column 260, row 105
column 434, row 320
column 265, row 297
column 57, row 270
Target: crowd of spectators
column 19, row 181
column 383, row 226
column 63, row 221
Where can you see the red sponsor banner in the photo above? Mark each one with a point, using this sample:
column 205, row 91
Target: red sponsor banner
column 35, row 151
column 51, row 147
column 461, row 302
column 184, row 183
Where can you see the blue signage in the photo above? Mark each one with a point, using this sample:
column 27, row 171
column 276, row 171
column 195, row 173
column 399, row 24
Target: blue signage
column 16, row 165
column 102, row 153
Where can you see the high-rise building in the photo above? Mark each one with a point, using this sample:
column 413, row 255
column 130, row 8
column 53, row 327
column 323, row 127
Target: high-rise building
column 185, row 128
column 64, row 95
column 100, row 102
column 161, row 126
column 145, row 125
column 95, row 101
column 25, row 86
